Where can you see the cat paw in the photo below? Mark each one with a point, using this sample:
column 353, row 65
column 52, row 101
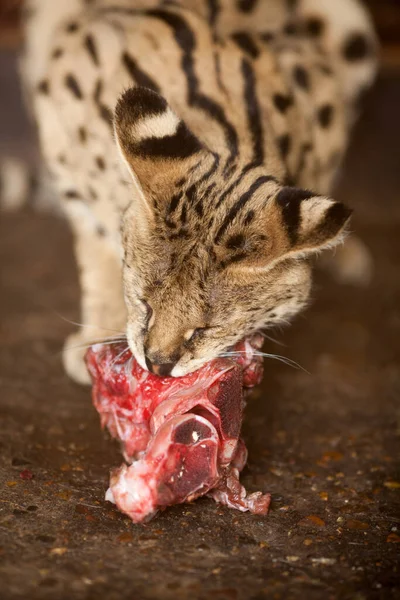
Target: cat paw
column 74, row 358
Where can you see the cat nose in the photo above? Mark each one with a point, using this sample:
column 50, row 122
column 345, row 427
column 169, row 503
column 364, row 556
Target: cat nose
column 163, row 370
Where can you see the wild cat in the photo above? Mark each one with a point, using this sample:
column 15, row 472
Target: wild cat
column 193, row 144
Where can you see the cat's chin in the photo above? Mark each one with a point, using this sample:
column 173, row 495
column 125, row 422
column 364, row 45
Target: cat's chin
column 179, row 371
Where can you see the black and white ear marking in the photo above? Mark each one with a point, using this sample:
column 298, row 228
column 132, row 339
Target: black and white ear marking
column 312, row 222
column 156, row 146
column 148, row 129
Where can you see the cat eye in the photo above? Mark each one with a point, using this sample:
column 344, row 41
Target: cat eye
column 197, row 333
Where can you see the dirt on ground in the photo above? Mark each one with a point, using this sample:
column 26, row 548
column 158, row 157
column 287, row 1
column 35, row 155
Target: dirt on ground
column 325, row 441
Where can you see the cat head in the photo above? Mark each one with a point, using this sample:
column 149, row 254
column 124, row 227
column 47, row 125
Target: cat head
column 208, row 257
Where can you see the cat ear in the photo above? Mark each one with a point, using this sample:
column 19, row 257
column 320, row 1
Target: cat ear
column 311, row 222
column 294, row 223
column 154, row 142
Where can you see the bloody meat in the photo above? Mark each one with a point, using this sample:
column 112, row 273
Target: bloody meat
column 179, row 436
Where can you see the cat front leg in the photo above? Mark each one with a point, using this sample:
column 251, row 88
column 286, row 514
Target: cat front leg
column 103, row 313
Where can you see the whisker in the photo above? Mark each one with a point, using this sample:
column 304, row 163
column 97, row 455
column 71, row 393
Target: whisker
column 89, row 345
column 110, row 338
column 271, row 339
column 86, row 324
column 283, row 359
column 114, row 337
column 115, row 360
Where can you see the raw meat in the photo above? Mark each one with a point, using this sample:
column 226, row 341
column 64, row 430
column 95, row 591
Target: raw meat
column 180, row 436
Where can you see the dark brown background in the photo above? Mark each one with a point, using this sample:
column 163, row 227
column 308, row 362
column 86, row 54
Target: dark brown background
column 326, row 444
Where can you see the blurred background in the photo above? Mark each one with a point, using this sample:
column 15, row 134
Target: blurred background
column 325, row 441
column 386, row 14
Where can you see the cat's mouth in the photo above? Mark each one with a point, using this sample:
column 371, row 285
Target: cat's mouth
column 240, row 352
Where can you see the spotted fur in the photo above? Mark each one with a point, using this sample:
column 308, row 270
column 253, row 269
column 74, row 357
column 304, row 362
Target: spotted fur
column 186, row 138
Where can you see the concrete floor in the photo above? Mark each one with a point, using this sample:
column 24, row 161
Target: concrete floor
column 327, row 444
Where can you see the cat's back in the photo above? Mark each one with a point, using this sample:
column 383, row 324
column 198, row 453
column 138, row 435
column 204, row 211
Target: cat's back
column 224, row 66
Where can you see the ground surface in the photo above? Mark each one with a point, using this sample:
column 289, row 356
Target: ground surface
column 326, row 444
